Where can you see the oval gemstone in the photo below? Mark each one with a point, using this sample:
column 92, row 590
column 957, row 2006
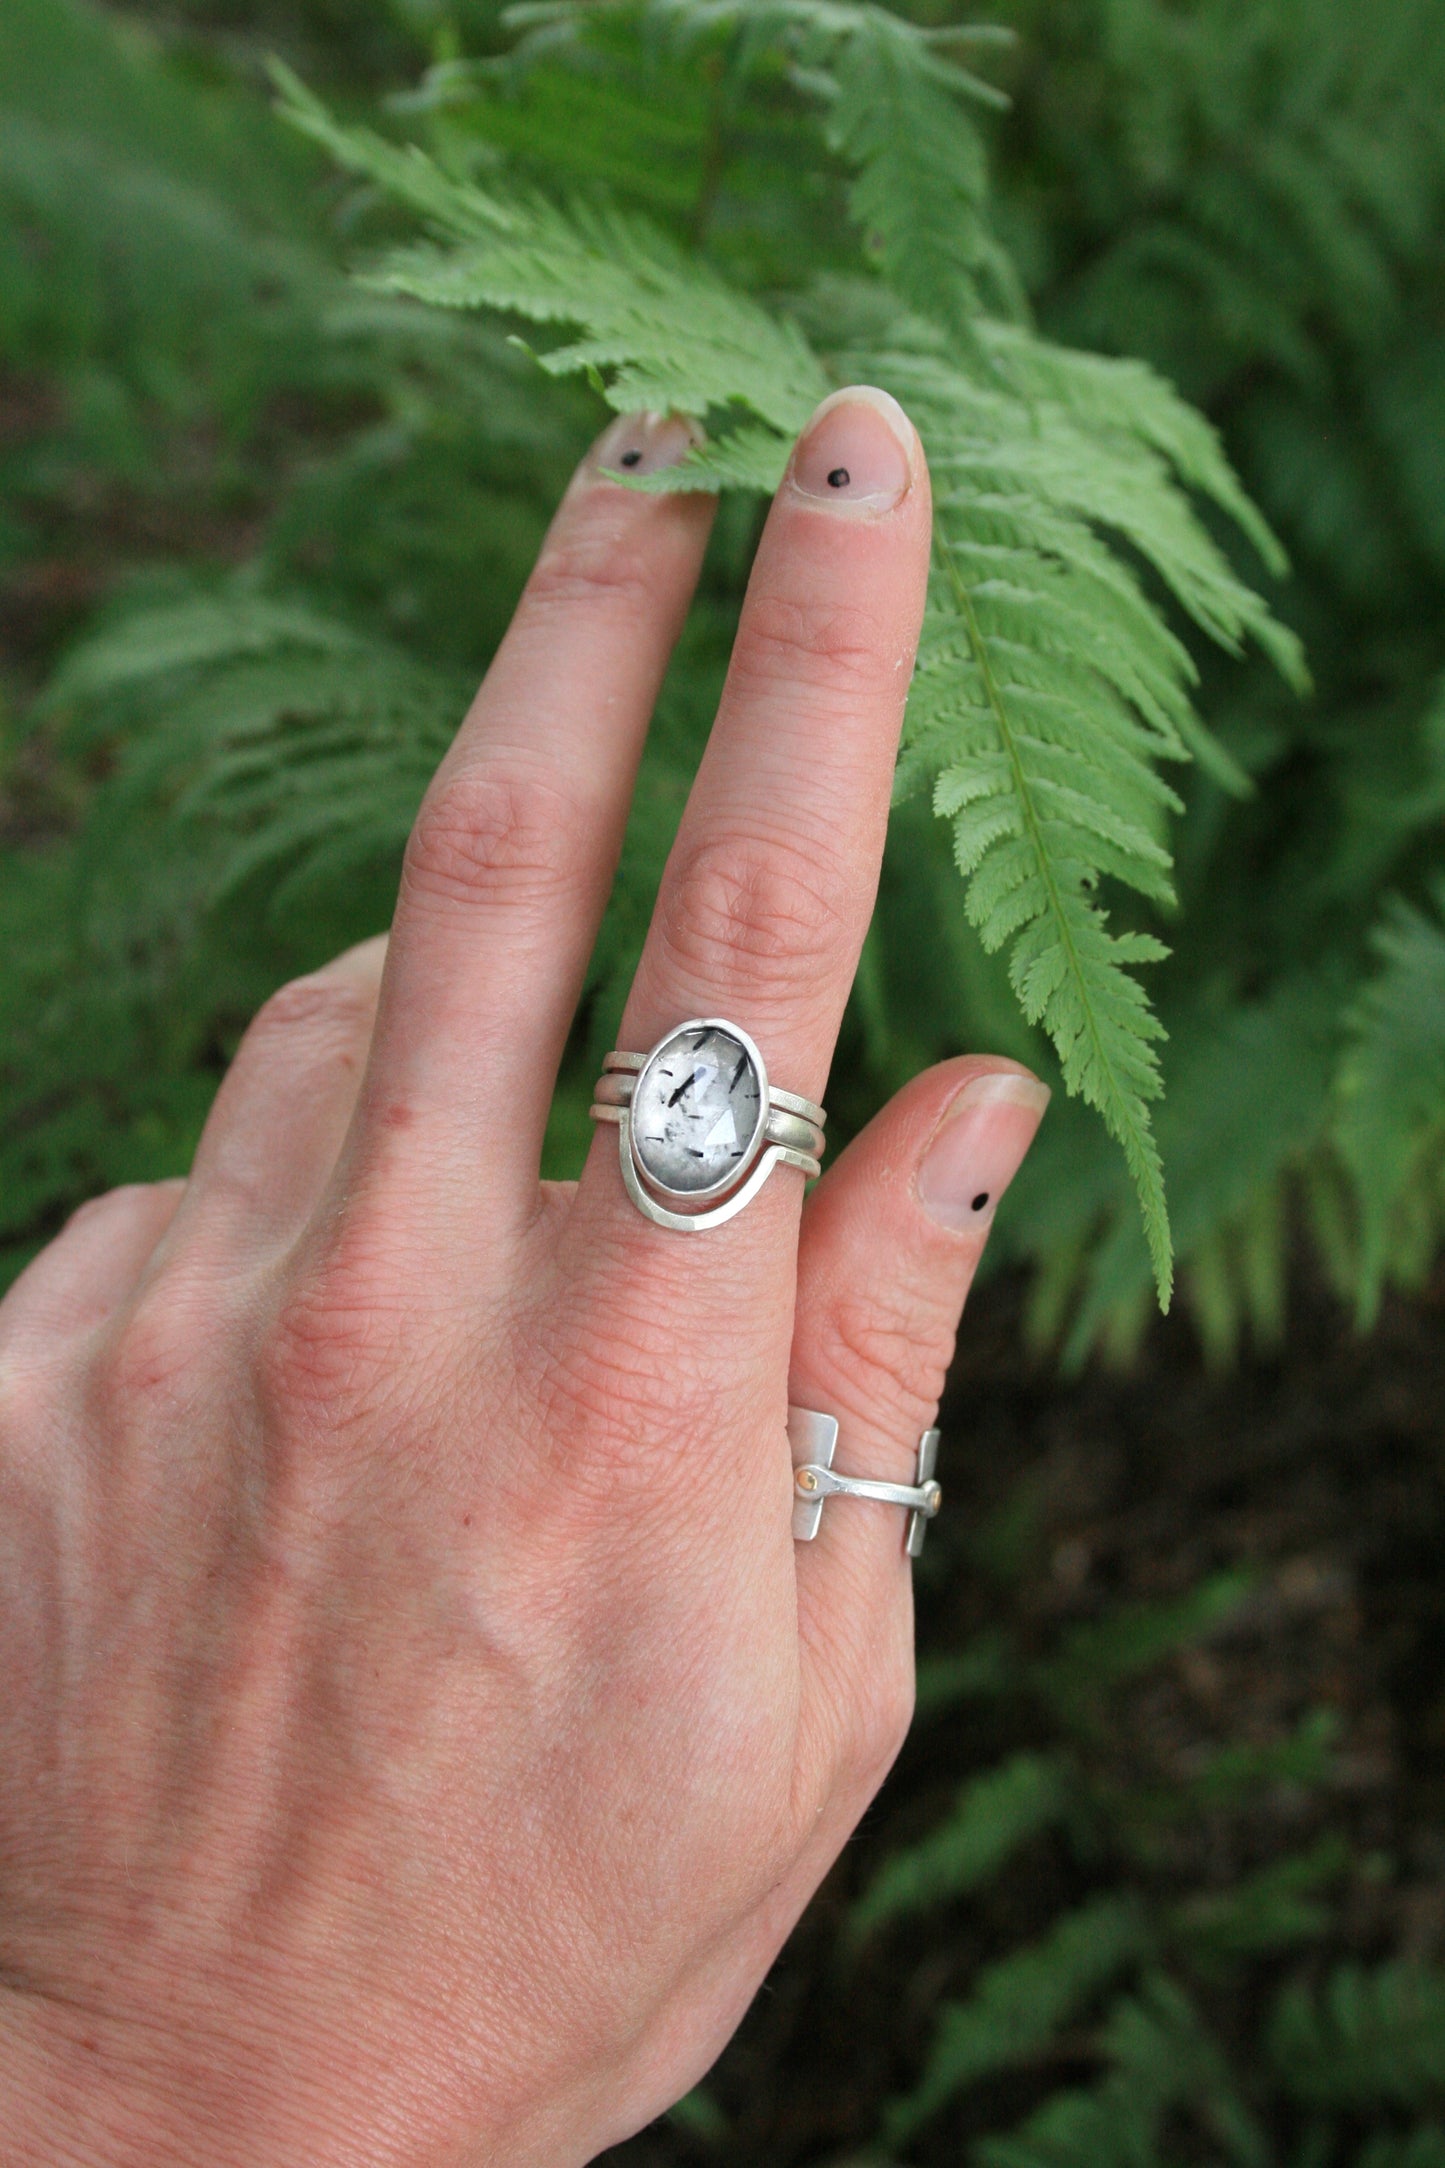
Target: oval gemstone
column 697, row 1110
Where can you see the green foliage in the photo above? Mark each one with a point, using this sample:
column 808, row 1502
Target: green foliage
column 268, row 725
column 1392, row 1084
column 1048, row 689
column 994, row 1814
column 1134, row 1978
column 1254, row 205
column 729, row 210
column 1020, row 2004
column 281, row 423
column 1363, row 2037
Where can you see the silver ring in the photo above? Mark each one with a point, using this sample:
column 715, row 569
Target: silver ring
column 699, row 1127
column 814, row 1440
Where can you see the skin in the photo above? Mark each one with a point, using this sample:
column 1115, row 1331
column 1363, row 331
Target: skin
column 420, row 1730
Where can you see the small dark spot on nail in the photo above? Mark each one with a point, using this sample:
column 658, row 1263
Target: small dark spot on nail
column 839, row 478
column 631, row 459
column 980, row 1200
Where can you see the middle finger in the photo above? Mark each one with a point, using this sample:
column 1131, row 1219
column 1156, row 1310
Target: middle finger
column 770, row 884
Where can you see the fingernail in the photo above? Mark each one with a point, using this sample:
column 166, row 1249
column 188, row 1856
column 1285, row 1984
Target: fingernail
column 643, row 443
column 979, row 1146
column 856, row 453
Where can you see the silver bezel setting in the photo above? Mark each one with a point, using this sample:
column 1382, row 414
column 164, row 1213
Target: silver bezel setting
column 788, row 1132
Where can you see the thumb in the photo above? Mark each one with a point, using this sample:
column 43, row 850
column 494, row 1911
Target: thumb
column 891, row 1239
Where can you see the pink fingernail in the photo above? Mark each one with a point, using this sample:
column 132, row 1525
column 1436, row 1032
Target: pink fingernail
column 857, row 453
column 643, row 443
column 979, row 1146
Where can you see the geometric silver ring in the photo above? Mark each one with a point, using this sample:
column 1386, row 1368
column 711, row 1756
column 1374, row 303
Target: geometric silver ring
column 814, row 1440
column 699, row 1127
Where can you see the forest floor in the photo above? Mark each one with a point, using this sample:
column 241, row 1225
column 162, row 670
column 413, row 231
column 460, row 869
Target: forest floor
column 1322, row 1470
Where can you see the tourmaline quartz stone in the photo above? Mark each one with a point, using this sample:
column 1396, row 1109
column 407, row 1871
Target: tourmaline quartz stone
column 697, row 1112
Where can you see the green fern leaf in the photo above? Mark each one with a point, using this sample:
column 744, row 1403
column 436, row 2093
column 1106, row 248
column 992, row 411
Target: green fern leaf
column 1274, row 1909
column 1020, row 2003
column 922, row 176
column 1163, row 2062
column 993, row 1816
column 668, row 332
column 1392, row 1080
column 300, row 746
column 1363, row 2038
column 1095, row 1659
column 1048, row 689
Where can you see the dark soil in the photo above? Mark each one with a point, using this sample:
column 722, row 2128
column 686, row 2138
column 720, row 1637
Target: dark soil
column 1323, row 1470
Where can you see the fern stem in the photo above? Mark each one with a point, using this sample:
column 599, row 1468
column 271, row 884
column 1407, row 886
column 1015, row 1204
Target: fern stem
column 715, row 150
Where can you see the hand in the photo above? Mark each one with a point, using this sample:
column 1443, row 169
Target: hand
column 419, row 1730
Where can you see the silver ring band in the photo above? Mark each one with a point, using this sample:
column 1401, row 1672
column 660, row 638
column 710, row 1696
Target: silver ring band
column 814, row 1441
column 700, row 1128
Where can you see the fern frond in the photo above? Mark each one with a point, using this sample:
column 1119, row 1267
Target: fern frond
column 1392, row 1080
column 1110, row 2128
column 993, row 1816
column 1162, row 2050
column 670, row 333
column 1363, row 2038
column 1019, row 2004
column 1274, row 1909
column 265, row 722
column 1247, row 1096
column 922, row 175
column 1096, row 1659
column 1048, row 689
column 1043, row 739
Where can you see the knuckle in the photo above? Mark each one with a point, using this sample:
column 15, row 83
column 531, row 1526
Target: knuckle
column 130, row 1200
column 106, row 1205
column 833, row 649
column 488, row 837
column 619, row 1401
column 886, row 1355
column 333, row 1348
column 148, row 1362
column 767, row 910
column 591, row 567
column 319, row 1006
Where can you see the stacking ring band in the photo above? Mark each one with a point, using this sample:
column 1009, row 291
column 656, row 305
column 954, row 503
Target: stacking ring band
column 814, row 1441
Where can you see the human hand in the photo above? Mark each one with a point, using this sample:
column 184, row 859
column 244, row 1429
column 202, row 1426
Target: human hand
column 419, row 1730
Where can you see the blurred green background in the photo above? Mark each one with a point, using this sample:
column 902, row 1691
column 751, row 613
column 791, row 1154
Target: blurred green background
column 1161, row 1877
